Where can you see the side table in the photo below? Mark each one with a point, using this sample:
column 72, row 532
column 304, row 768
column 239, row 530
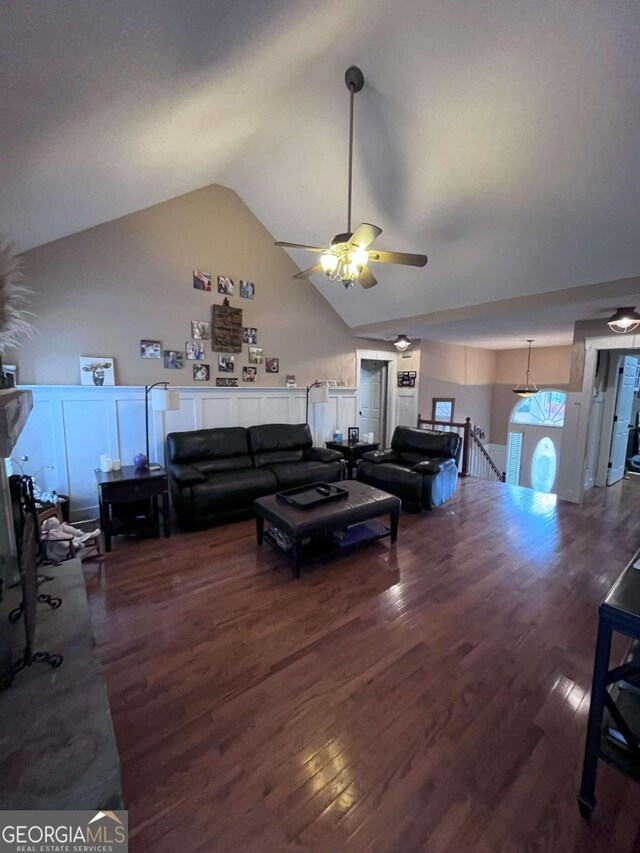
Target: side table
column 351, row 452
column 128, row 485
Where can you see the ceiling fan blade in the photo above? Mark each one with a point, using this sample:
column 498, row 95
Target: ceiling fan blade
column 367, row 278
column 364, row 235
column 300, row 246
column 398, row 258
column 311, row 271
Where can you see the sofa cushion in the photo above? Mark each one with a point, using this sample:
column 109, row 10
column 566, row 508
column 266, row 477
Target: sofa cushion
column 278, row 456
column 185, row 475
column 227, row 491
column 218, row 466
column 290, row 475
column 422, row 442
column 207, row 444
column 391, row 477
column 278, row 438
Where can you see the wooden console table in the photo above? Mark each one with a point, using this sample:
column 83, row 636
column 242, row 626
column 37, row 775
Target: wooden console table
column 128, row 485
column 613, row 731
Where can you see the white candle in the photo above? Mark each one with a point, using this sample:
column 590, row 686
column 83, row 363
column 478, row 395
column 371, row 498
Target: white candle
column 117, row 464
column 106, row 463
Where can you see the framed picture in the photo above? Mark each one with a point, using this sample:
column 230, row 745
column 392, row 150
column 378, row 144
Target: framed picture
column 255, row 355
column 272, row 365
column 442, row 409
column 249, row 374
column 200, row 331
column 202, row 280
column 223, row 382
column 97, row 370
column 353, row 435
column 173, row 359
column 249, row 335
column 407, row 379
column 291, row 381
column 225, row 285
column 201, row 372
column 247, row 289
column 194, row 350
column 227, row 328
column 226, row 363
column 150, row 349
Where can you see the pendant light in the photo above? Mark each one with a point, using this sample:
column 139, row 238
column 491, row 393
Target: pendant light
column 624, row 320
column 402, row 343
column 529, row 388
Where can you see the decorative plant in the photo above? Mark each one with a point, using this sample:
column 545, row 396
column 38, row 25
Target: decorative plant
column 14, row 324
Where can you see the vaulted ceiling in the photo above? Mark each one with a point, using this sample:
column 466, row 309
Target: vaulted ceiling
column 500, row 138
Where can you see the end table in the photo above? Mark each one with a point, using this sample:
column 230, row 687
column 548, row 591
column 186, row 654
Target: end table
column 132, row 484
column 352, row 452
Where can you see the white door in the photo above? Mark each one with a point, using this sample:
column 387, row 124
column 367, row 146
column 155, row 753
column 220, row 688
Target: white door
column 372, row 399
column 627, row 369
column 540, row 455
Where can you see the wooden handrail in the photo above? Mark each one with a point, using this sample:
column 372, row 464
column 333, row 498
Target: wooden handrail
column 468, row 438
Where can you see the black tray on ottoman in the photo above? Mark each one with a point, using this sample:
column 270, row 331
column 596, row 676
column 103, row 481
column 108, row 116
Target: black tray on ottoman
column 309, row 530
column 304, row 497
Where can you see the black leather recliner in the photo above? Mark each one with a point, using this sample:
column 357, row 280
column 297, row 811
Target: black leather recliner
column 420, row 468
column 216, row 474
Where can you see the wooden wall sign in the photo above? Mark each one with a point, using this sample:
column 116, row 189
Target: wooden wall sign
column 226, row 331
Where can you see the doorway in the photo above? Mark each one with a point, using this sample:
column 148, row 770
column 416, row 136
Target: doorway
column 374, row 377
column 535, row 434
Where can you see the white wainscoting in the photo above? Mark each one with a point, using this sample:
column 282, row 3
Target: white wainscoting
column 70, row 426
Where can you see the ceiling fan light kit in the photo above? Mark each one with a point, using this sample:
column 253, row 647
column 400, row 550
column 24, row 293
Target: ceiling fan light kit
column 529, row 388
column 624, row 320
column 348, row 256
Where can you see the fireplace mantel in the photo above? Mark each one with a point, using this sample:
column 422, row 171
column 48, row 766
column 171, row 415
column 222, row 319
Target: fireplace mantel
column 14, row 411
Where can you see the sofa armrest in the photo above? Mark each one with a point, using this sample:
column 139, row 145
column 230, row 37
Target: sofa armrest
column 185, row 475
column 378, row 456
column 323, row 454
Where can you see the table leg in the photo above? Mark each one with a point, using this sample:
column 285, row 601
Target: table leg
column 259, row 529
column 395, row 518
column 586, row 797
column 166, row 515
column 105, row 524
column 156, row 514
column 295, row 556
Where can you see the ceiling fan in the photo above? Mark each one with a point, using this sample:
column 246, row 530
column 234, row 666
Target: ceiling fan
column 348, row 256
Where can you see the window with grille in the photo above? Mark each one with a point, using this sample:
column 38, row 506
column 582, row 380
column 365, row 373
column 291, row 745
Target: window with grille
column 514, row 456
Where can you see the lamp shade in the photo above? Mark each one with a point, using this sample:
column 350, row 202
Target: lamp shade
column 164, row 400
column 319, row 394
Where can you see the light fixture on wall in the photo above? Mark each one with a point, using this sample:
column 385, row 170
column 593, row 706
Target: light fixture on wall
column 529, row 388
column 402, row 343
column 319, row 394
column 162, row 400
column 624, row 320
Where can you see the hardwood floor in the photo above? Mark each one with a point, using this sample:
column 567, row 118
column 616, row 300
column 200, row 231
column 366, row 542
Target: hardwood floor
column 430, row 696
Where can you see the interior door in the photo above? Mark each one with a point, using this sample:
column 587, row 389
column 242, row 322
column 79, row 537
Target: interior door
column 372, row 398
column 628, row 366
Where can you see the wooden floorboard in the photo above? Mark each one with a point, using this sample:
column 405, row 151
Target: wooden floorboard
column 430, row 695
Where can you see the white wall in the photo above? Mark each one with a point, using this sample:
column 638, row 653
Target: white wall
column 70, row 426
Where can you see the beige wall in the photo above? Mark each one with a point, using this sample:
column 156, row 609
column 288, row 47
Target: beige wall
column 465, row 373
column 102, row 290
column 550, row 368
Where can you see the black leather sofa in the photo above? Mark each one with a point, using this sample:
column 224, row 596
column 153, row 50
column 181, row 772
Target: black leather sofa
column 216, row 474
column 420, row 468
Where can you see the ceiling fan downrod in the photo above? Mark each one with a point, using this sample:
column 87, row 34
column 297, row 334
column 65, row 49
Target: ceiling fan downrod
column 354, row 79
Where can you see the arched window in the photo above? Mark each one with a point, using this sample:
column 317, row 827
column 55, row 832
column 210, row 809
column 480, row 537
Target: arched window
column 543, row 409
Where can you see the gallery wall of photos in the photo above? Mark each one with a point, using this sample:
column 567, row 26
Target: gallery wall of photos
column 218, row 344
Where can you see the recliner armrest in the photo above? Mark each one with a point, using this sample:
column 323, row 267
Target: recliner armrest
column 323, row 454
column 185, row 475
column 378, row 456
column 433, row 466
